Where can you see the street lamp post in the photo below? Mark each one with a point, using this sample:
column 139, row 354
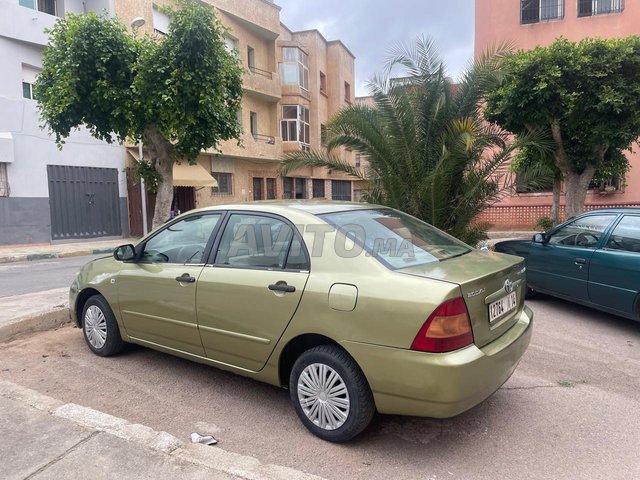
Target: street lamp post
column 135, row 24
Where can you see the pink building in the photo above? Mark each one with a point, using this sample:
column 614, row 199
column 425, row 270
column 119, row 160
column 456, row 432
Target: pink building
column 526, row 24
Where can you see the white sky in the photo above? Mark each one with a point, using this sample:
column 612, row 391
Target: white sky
column 371, row 28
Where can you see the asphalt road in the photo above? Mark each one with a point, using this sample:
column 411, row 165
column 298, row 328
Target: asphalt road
column 28, row 277
column 569, row 412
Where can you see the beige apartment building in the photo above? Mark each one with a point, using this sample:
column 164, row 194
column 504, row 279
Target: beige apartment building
column 293, row 83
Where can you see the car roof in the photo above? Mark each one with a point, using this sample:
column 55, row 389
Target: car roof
column 314, row 207
column 614, row 210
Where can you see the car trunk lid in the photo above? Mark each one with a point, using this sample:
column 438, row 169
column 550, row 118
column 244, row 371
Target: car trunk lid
column 484, row 278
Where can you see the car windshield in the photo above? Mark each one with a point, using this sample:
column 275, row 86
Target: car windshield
column 396, row 239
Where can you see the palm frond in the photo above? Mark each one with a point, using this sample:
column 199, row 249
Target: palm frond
column 295, row 160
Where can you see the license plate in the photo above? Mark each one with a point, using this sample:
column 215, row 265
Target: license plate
column 503, row 306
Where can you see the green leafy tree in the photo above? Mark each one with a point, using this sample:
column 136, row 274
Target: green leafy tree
column 585, row 96
column 430, row 153
column 180, row 92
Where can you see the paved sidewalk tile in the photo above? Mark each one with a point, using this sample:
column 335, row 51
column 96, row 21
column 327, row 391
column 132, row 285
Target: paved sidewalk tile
column 41, row 251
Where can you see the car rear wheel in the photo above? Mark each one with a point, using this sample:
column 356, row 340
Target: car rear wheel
column 100, row 328
column 330, row 394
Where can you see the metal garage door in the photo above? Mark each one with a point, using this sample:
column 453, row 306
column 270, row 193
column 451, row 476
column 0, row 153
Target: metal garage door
column 84, row 202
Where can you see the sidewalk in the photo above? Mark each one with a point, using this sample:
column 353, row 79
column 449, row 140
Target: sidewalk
column 32, row 312
column 44, row 438
column 40, row 251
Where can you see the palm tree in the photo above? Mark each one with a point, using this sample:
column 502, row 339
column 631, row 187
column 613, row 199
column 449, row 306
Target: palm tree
column 430, row 153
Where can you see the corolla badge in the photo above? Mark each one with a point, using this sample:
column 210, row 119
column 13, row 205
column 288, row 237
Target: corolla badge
column 508, row 286
column 475, row 293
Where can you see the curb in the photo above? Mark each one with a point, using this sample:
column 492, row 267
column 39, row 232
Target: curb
column 35, row 323
column 212, row 458
column 45, row 256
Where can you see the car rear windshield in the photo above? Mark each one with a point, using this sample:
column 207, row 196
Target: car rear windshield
column 396, row 239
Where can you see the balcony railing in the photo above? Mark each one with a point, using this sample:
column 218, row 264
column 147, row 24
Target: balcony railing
column 534, row 11
column 268, row 139
column 259, row 71
column 587, row 8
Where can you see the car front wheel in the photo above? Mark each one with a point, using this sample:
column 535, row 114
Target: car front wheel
column 330, row 394
column 100, row 328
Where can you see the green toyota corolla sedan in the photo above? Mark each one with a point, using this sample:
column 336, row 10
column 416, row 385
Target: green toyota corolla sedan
column 354, row 307
column 592, row 259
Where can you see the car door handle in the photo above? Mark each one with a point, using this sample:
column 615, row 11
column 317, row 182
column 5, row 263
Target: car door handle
column 282, row 287
column 186, row 278
column 581, row 261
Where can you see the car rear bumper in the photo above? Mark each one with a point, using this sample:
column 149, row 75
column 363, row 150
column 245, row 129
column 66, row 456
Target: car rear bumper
column 441, row 385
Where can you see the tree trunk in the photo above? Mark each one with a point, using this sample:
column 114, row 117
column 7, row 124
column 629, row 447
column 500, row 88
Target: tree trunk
column 161, row 154
column 576, row 185
column 555, row 204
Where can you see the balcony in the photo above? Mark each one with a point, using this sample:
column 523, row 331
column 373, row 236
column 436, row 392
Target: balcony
column 24, row 24
column 262, row 84
column 288, row 147
column 254, row 146
column 261, row 17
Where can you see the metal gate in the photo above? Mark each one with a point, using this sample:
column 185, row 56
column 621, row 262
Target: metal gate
column 84, row 202
column 340, row 190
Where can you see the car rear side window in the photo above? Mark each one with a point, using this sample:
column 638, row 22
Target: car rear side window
column 255, row 241
column 626, row 235
column 396, row 239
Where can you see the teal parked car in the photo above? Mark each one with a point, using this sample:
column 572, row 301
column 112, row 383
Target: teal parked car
column 592, row 259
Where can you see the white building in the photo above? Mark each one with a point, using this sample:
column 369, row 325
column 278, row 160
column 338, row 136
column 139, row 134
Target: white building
column 47, row 194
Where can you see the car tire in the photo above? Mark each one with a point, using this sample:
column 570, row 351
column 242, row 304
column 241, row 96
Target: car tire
column 100, row 328
column 332, row 413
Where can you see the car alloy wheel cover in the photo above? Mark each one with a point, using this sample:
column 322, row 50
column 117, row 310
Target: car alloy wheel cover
column 323, row 396
column 95, row 326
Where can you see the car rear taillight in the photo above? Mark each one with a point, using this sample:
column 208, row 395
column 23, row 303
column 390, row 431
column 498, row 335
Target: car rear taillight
column 447, row 328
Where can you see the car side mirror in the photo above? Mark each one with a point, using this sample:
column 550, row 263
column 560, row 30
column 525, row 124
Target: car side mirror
column 540, row 238
column 125, row 253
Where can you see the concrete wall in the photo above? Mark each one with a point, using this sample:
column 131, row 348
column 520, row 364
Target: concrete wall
column 498, row 21
column 25, row 215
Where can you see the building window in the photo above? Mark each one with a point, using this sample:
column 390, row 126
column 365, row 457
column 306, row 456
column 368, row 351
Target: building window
column 323, row 83
column 29, row 75
column 160, row 21
column 294, row 125
column 294, row 187
column 534, row 11
column 318, row 188
column 323, row 134
column 341, row 190
column 251, row 58
column 225, row 184
column 587, row 8
column 294, row 69
column 258, row 184
column 4, row 180
column 44, row 6
column 271, row 188
column 231, row 44
column 358, row 160
column 253, row 118
column 347, row 92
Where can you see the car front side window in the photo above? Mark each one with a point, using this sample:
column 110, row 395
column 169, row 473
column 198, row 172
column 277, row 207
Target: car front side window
column 626, row 235
column 584, row 232
column 182, row 242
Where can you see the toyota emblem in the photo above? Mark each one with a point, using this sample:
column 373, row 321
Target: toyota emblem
column 508, row 285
